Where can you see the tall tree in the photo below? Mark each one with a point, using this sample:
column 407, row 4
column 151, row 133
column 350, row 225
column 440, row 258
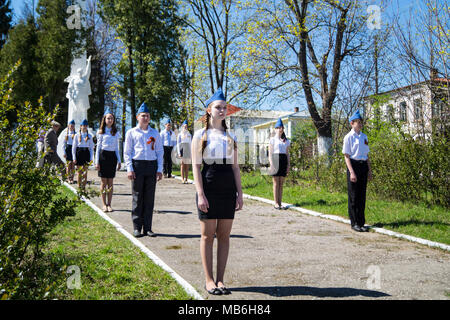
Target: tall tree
column 22, row 44
column 57, row 45
column 149, row 30
column 305, row 43
column 213, row 43
column 104, row 47
column 5, row 20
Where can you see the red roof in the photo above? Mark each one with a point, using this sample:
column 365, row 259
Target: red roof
column 230, row 110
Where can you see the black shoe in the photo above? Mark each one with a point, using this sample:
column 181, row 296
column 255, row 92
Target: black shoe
column 357, row 228
column 224, row 290
column 137, row 233
column 214, row 291
column 364, row 229
column 150, row 234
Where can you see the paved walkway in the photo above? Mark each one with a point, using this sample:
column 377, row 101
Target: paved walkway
column 286, row 254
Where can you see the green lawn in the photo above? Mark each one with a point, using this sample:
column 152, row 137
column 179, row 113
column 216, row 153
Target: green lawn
column 418, row 220
column 111, row 267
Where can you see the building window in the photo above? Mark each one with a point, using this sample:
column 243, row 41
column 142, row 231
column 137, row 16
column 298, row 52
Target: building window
column 436, row 108
column 390, row 113
column 417, row 109
column 403, row 112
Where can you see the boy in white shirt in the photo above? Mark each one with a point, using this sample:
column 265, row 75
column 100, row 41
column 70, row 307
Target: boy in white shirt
column 143, row 155
column 356, row 149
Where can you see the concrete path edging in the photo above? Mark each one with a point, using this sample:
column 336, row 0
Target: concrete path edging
column 182, row 282
column 347, row 221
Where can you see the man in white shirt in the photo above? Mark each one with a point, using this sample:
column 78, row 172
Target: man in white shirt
column 169, row 140
column 143, row 155
column 356, row 149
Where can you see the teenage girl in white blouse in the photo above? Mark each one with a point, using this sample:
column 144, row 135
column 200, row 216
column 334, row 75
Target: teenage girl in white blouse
column 83, row 153
column 184, row 140
column 279, row 162
column 107, row 157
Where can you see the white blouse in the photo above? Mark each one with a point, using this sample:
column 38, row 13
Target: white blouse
column 216, row 145
column 83, row 144
column 143, row 145
column 70, row 137
column 106, row 141
column 183, row 137
column 278, row 145
column 356, row 146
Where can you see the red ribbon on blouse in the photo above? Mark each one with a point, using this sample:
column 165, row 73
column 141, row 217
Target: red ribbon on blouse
column 152, row 141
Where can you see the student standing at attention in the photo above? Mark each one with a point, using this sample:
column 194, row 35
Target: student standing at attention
column 83, row 153
column 68, row 142
column 218, row 186
column 143, row 155
column 184, row 140
column 355, row 150
column 169, row 140
column 279, row 161
column 107, row 157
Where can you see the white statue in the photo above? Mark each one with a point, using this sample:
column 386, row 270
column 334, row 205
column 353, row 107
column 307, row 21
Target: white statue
column 78, row 93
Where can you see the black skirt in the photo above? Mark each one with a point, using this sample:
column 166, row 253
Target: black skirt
column 279, row 161
column 69, row 156
column 83, row 156
column 185, row 152
column 108, row 164
column 220, row 190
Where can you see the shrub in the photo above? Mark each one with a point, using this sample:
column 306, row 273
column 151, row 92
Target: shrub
column 29, row 204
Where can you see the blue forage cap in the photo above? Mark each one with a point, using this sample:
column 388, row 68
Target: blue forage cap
column 279, row 123
column 168, row 121
column 218, row 95
column 72, row 122
column 84, row 122
column 355, row 116
column 143, row 108
column 107, row 111
column 184, row 122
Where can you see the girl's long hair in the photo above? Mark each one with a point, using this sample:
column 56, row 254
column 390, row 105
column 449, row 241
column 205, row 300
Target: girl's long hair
column 67, row 135
column 87, row 137
column 283, row 135
column 103, row 125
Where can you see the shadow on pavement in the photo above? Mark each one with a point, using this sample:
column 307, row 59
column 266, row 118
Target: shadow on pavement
column 277, row 291
column 184, row 236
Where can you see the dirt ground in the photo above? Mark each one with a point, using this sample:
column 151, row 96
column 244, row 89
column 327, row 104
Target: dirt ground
column 286, row 254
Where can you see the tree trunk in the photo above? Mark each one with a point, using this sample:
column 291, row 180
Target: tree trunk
column 132, row 84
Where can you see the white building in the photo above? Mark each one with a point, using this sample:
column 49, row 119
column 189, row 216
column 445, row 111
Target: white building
column 414, row 106
column 264, row 131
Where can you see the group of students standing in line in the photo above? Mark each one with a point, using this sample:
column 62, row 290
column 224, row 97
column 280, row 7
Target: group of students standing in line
column 79, row 153
column 213, row 153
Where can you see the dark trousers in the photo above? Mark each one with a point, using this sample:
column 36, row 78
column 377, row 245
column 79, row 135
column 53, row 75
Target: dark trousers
column 167, row 166
column 357, row 192
column 143, row 189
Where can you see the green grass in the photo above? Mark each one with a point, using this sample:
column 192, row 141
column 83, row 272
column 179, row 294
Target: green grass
column 418, row 220
column 111, row 266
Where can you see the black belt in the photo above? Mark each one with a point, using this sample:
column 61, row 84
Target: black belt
column 358, row 161
column 144, row 161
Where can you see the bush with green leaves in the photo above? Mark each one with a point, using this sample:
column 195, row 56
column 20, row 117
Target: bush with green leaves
column 30, row 205
column 410, row 169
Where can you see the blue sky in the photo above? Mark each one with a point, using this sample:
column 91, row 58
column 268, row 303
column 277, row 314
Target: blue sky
column 401, row 7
